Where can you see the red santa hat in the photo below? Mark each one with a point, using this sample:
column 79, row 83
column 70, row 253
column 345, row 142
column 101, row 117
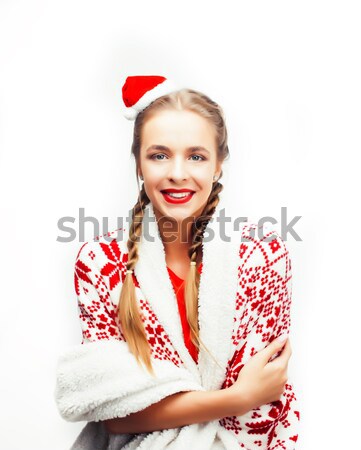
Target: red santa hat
column 139, row 91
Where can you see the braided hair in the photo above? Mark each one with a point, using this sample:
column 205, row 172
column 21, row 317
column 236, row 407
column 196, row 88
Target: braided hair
column 129, row 313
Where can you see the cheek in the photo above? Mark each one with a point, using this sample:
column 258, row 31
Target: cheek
column 203, row 172
column 152, row 173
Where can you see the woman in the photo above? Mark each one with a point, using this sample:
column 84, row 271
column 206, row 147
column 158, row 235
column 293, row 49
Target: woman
column 181, row 317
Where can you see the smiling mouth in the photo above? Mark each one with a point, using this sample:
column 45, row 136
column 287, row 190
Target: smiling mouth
column 173, row 197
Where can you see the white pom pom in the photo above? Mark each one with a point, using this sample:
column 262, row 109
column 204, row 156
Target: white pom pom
column 130, row 113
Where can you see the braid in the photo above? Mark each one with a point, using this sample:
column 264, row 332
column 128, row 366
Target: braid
column 201, row 224
column 128, row 311
column 135, row 229
column 193, row 279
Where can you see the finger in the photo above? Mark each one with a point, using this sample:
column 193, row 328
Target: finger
column 272, row 349
column 286, row 351
column 282, row 355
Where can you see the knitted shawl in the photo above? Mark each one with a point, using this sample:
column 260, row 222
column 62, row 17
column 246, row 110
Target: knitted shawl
column 244, row 304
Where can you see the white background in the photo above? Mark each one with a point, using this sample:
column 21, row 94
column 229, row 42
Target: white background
column 287, row 75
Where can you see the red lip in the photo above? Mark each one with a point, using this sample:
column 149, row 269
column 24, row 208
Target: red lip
column 177, row 201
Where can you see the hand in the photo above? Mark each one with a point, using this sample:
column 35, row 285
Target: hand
column 261, row 380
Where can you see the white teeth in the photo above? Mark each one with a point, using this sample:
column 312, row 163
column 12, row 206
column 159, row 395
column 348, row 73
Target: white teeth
column 178, row 195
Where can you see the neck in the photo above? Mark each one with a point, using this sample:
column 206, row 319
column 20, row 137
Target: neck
column 172, row 232
column 176, row 238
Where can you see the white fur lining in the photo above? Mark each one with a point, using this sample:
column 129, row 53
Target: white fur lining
column 101, row 380
column 217, row 295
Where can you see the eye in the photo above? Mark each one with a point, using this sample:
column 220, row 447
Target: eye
column 202, row 158
column 157, row 154
column 162, row 154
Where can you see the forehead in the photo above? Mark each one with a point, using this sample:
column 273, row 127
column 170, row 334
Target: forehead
column 178, row 128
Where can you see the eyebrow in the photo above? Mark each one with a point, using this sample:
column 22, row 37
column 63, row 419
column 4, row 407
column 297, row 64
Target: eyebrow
column 193, row 149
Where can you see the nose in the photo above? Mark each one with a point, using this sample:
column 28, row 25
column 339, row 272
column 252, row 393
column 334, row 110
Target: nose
column 178, row 169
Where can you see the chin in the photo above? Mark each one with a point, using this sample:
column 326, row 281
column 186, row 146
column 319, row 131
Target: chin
column 177, row 213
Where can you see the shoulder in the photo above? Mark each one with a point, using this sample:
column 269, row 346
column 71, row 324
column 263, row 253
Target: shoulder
column 101, row 262
column 110, row 248
column 261, row 245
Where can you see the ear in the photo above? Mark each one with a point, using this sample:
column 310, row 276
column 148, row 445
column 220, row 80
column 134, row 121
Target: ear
column 218, row 169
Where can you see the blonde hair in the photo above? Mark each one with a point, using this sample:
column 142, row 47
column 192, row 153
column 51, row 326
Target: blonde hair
column 128, row 311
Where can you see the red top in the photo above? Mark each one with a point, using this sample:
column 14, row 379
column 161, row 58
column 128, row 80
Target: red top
column 178, row 285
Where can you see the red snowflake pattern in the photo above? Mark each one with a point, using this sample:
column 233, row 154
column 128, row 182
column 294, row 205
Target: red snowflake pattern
column 262, row 312
column 263, row 305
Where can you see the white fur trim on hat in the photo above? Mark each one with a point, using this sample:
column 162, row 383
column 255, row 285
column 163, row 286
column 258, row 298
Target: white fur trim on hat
column 166, row 87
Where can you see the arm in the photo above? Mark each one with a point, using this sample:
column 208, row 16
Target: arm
column 100, row 378
column 264, row 293
column 175, row 411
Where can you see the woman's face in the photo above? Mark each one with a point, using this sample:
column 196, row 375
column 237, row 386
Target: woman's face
column 178, row 151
